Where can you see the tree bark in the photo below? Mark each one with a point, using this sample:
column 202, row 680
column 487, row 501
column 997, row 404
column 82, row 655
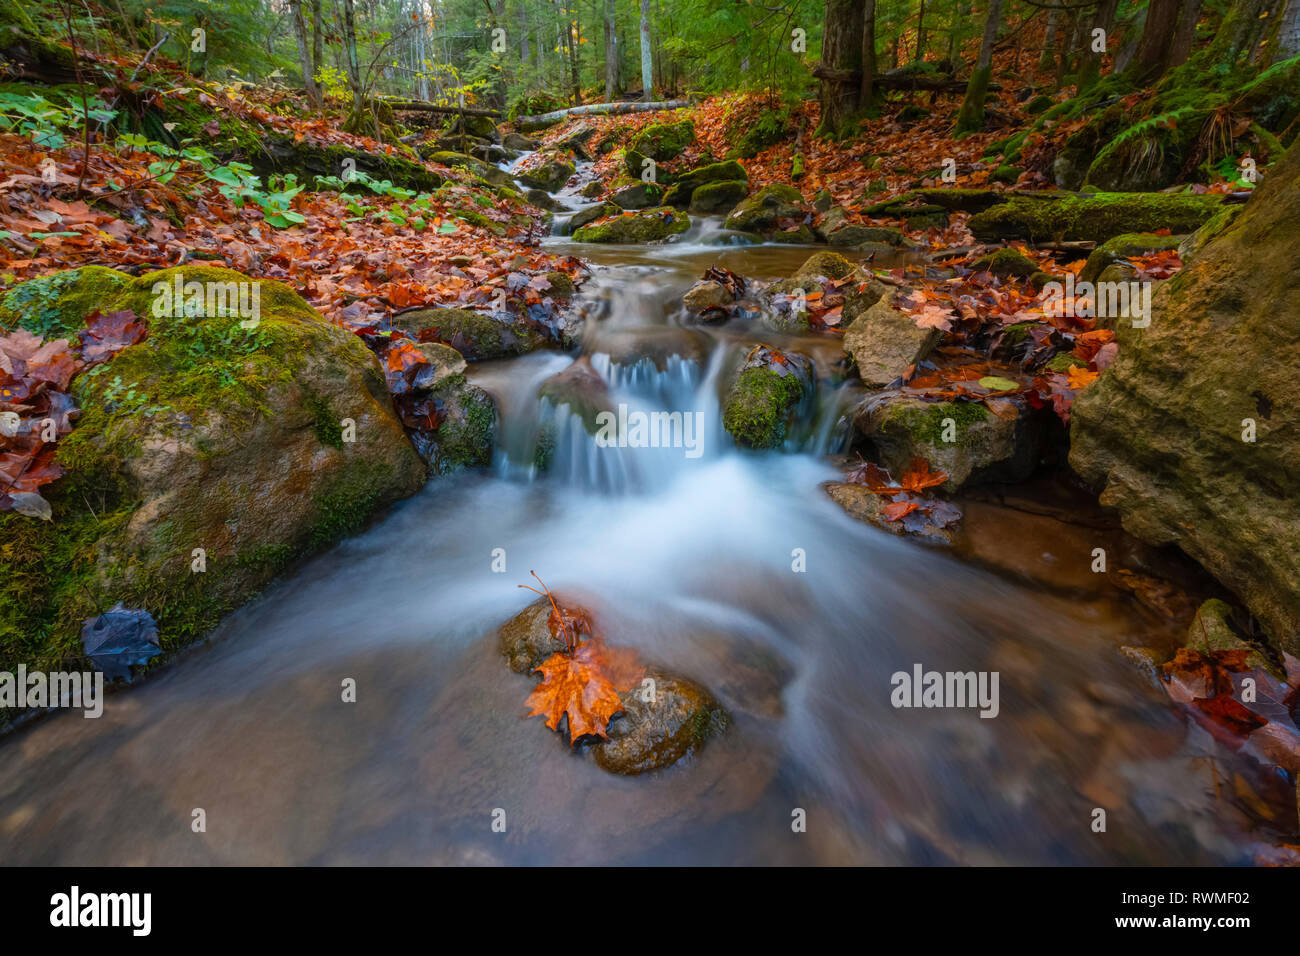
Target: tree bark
column 611, row 52
column 866, row 90
column 647, row 62
column 1185, row 33
column 1090, row 60
column 1152, row 57
column 304, row 57
column 613, row 109
column 1288, row 34
column 841, row 67
column 971, row 117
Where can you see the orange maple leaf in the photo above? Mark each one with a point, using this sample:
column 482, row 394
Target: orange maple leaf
column 584, row 686
column 918, row 476
column 1081, row 378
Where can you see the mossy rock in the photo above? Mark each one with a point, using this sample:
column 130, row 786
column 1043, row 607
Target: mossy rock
column 485, row 171
column 984, row 446
column 638, row 195
column 935, row 199
column 758, row 406
column 761, row 211
column 664, row 141
column 1166, row 430
column 832, row 265
column 306, row 160
column 657, row 733
column 1124, row 246
column 1039, row 104
column 55, row 306
column 550, row 176
column 648, row 225
column 1093, row 218
column 476, row 335
column 850, row 235
column 205, row 435
column 712, row 198
column 466, row 434
column 1006, row 174
column 685, row 185
column 1006, row 262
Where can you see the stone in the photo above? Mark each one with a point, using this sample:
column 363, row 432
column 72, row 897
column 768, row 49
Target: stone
column 884, row 342
column 649, row 225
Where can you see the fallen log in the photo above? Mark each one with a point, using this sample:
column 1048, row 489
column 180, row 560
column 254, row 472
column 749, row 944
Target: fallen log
column 548, row 119
column 419, row 106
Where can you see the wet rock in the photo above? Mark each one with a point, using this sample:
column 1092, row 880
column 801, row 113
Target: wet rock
column 657, row 733
column 585, row 217
column 1006, row 443
column 491, row 153
column 526, row 640
column 649, row 225
column 656, row 344
column 718, row 197
column 863, row 504
column 466, row 432
column 1007, row 263
column 707, row 294
column 577, row 139
column 543, row 200
column 663, row 141
column 1116, row 250
column 238, row 448
column 884, row 342
column 592, row 189
column 444, row 359
column 935, row 199
column 550, row 175
column 832, row 265
column 763, row 211
column 520, row 142
column 1094, row 217
column 764, row 395
column 1211, row 631
column 638, row 195
column 1162, row 431
column 480, row 126
column 476, row 335
column 685, row 186
column 582, row 389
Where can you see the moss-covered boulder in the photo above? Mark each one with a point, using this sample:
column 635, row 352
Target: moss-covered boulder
column 56, row 306
column 686, row 184
column 763, row 211
column 585, row 217
column 476, row 335
column 664, row 141
column 1124, row 247
column 551, row 175
column 849, row 235
column 764, row 395
column 638, row 195
column 712, row 198
column 1010, row 263
column 966, row 440
column 1094, row 217
column 1193, row 432
column 520, row 142
column 884, row 342
column 206, row 459
column 647, row 225
column 485, row 171
column 933, row 199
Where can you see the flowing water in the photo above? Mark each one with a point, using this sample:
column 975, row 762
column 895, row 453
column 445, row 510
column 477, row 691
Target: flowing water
column 689, row 559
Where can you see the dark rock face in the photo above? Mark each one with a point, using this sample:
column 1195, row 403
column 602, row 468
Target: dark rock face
column 1194, row 431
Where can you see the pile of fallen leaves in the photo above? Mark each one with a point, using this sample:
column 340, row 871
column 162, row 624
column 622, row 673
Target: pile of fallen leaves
column 908, row 502
column 35, row 407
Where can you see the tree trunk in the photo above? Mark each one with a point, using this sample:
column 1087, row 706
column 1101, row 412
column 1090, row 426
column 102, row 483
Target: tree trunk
column 840, row 69
column 1152, row 58
column 1090, row 59
column 304, row 58
column 866, row 92
column 1288, row 34
column 971, row 117
column 350, row 50
column 317, row 38
column 1048, row 58
column 611, row 52
column 920, row 33
column 1185, row 34
column 647, row 63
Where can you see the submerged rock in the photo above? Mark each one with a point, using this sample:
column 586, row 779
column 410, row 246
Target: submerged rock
column 582, row 389
column 657, row 730
column 862, row 504
column 1193, row 432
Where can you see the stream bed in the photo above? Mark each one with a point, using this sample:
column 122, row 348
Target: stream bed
column 691, row 560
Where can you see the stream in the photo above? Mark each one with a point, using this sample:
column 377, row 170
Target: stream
column 689, row 559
